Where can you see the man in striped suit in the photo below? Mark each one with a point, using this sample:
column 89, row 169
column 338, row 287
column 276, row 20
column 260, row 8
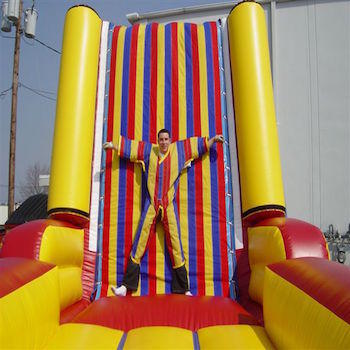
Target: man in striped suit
column 162, row 166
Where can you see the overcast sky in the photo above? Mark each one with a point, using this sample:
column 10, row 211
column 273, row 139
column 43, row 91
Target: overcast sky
column 39, row 69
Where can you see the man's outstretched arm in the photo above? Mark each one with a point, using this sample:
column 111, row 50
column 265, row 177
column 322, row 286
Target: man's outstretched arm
column 135, row 151
column 216, row 138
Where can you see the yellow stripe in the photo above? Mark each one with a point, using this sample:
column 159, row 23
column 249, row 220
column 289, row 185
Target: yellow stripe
column 208, row 242
column 133, row 148
column 266, row 246
column 115, row 164
column 138, row 134
column 182, row 135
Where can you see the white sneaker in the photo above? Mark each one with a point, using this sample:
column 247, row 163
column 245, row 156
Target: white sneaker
column 120, row 291
column 189, row 294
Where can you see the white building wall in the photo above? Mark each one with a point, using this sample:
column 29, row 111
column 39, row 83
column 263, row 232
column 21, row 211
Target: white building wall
column 312, row 104
column 3, row 214
column 310, row 56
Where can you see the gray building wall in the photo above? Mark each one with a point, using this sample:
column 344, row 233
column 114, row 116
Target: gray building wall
column 310, row 55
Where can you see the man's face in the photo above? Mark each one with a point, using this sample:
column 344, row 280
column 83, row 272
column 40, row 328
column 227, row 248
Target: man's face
column 164, row 141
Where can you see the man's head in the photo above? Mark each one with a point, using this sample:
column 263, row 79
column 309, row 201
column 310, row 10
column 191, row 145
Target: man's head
column 164, row 140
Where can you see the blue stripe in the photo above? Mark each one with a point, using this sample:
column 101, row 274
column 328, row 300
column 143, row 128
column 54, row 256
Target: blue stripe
column 189, row 80
column 195, row 341
column 215, row 228
column 125, row 87
column 192, row 238
column 144, row 274
column 180, row 155
column 122, row 342
column 127, row 148
column 121, row 220
column 146, row 153
column 228, row 181
column 144, row 262
column 167, row 269
column 123, row 163
column 98, row 265
column 201, row 146
column 167, row 77
column 146, row 84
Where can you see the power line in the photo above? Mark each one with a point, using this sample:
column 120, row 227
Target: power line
column 49, row 47
column 34, row 39
column 43, row 91
column 6, row 37
column 3, row 93
column 38, row 92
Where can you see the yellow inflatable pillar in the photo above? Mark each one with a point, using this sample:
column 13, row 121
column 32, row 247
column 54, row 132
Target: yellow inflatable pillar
column 70, row 178
column 256, row 130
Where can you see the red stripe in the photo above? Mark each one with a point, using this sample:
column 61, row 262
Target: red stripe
column 108, row 172
column 153, row 139
column 156, row 186
column 140, row 150
column 187, row 147
column 166, row 179
column 198, row 165
column 220, row 166
column 121, row 150
column 129, row 205
column 132, row 81
column 174, row 84
column 153, row 83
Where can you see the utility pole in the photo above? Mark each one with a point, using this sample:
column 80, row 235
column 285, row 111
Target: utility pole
column 11, row 188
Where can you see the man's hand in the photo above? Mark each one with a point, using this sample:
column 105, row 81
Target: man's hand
column 216, row 138
column 219, row 138
column 108, row 145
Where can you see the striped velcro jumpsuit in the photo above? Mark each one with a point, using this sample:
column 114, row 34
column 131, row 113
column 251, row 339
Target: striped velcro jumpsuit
column 162, row 177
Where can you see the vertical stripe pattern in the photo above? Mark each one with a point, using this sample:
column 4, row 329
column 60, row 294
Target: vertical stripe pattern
column 166, row 76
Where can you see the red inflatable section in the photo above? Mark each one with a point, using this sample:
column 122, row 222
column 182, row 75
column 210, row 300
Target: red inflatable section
column 72, row 311
column 25, row 240
column 325, row 281
column 16, row 272
column 192, row 313
column 301, row 239
column 88, row 273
